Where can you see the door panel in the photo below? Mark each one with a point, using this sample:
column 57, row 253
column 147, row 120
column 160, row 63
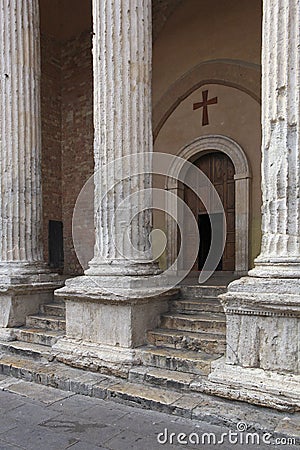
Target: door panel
column 220, row 170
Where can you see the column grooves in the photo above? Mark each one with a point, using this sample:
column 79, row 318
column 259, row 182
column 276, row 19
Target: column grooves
column 26, row 144
column 280, row 126
column 20, row 133
column 122, row 123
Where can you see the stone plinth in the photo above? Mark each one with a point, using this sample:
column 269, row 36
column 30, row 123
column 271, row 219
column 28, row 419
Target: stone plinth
column 263, row 318
column 104, row 328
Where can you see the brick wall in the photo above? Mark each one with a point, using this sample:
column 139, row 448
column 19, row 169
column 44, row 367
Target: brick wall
column 51, row 133
column 67, row 126
column 67, row 133
column 77, row 133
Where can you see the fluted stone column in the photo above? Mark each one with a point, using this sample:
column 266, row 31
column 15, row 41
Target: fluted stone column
column 263, row 310
column 24, row 281
column 122, row 50
column 110, row 309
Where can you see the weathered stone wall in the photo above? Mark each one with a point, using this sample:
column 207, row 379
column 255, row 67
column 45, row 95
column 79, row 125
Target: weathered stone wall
column 51, row 133
column 77, row 133
column 67, row 133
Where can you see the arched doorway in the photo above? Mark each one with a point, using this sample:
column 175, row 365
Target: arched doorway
column 201, row 146
column 219, row 168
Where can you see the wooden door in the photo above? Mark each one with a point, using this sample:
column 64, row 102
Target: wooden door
column 220, row 170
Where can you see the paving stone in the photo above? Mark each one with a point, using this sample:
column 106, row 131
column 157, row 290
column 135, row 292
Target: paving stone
column 6, row 446
column 74, row 404
column 89, row 423
column 37, row 438
column 31, row 414
column 93, row 431
column 289, row 426
column 9, row 401
column 38, row 392
column 109, row 413
column 146, row 424
column 130, row 440
column 81, row 445
column 6, row 423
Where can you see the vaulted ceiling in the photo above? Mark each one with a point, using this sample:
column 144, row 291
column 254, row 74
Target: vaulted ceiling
column 65, row 19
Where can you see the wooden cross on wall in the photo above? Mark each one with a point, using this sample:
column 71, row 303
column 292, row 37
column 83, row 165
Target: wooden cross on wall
column 204, row 104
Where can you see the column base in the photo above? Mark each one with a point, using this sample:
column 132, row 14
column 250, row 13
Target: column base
column 276, row 268
column 257, row 386
column 22, row 292
column 112, row 322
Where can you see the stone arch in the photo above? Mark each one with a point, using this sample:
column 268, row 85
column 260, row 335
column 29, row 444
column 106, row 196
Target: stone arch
column 233, row 73
column 198, row 147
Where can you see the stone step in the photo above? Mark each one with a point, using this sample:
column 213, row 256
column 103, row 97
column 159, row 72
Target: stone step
column 213, row 343
column 199, row 291
column 46, row 322
column 197, row 405
column 38, row 336
column 25, row 349
column 213, row 322
column 54, row 309
column 163, row 378
column 208, row 304
column 180, row 360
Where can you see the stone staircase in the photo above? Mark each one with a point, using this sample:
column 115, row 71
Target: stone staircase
column 191, row 335
column 39, row 334
column 172, row 376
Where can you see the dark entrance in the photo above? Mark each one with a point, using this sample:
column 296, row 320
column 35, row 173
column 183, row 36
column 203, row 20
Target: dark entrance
column 56, row 244
column 205, row 222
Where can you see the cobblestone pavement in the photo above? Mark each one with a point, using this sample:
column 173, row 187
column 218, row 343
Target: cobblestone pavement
column 38, row 417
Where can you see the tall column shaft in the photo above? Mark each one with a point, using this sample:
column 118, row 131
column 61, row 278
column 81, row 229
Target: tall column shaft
column 20, row 134
column 24, row 278
column 110, row 308
column 280, row 141
column 122, row 54
column 263, row 309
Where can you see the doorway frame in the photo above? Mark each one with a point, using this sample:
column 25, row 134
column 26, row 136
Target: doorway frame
column 242, row 177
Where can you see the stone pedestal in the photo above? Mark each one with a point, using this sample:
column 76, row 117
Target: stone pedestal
column 103, row 329
column 25, row 281
column 111, row 307
column 263, row 309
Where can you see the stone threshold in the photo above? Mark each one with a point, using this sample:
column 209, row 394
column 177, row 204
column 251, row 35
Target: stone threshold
column 192, row 405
